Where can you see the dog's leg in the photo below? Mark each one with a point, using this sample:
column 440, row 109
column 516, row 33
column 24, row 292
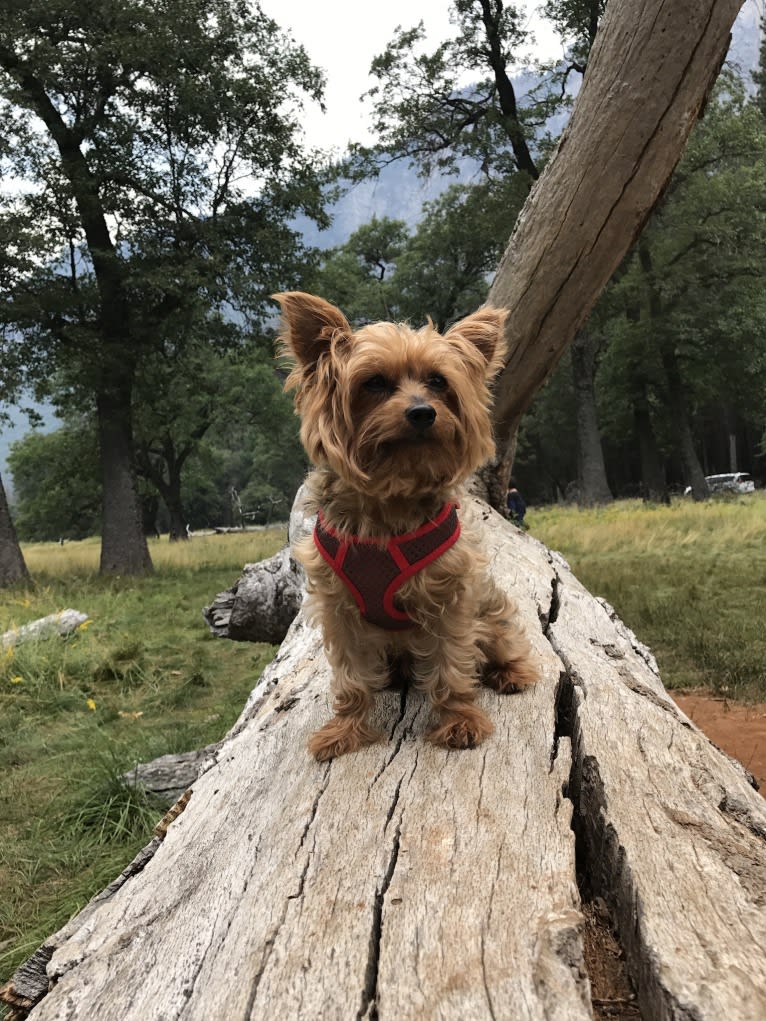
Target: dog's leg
column 509, row 665
column 356, row 678
column 447, row 672
column 462, row 724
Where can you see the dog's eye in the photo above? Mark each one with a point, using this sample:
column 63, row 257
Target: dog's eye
column 377, row 385
column 436, row 382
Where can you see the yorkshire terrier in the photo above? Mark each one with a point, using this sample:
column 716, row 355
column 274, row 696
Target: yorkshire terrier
column 394, row 421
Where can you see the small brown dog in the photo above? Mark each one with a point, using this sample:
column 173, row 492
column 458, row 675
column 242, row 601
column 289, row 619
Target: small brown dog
column 395, row 420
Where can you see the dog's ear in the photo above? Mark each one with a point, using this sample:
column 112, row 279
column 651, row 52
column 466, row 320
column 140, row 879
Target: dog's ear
column 309, row 325
column 484, row 330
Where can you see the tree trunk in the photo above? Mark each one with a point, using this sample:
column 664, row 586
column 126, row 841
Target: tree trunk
column 12, row 567
column 167, row 480
column 651, row 67
column 171, row 496
column 123, row 544
column 407, row 881
column 693, row 475
column 679, row 416
column 593, row 487
column 654, row 487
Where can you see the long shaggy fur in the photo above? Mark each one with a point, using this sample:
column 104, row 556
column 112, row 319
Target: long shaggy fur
column 376, row 476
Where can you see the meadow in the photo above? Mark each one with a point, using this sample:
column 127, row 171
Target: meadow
column 689, row 579
column 144, row 676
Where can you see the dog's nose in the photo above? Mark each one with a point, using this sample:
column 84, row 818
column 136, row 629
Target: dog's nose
column 421, row 416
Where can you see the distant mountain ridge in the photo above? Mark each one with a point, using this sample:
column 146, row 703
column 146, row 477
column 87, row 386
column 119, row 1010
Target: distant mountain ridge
column 399, row 193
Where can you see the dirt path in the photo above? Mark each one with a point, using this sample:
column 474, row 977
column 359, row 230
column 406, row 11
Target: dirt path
column 737, row 728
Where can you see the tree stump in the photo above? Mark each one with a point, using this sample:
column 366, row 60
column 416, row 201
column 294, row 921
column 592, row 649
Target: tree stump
column 406, row 881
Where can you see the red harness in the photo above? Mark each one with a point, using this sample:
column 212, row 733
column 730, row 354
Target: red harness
column 373, row 573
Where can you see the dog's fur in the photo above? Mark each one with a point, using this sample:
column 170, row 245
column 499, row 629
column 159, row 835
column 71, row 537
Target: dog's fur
column 376, row 476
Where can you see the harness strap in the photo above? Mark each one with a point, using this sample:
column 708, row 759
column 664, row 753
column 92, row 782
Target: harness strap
column 374, row 570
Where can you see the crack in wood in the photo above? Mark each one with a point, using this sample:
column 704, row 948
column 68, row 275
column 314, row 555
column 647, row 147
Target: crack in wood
column 315, row 807
column 368, row 1009
column 583, row 788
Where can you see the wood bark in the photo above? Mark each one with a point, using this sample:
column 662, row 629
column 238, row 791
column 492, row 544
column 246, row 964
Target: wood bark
column 649, row 73
column 262, row 604
column 654, row 486
column 406, row 881
column 13, row 569
column 592, row 484
column 124, row 549
column 62, row 623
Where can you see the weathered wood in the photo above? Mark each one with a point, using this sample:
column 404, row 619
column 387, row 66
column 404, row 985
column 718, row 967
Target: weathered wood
column 673, row 836
column 167, row 777
column 62, row 623
column 410, row 882
column 261, row 604
column 394, row 878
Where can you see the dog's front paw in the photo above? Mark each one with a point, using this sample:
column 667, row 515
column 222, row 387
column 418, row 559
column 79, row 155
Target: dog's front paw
column 464, row 729
column 339, row 736
column 507, row 678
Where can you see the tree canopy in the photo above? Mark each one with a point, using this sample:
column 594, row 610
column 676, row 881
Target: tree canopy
column 152, row 160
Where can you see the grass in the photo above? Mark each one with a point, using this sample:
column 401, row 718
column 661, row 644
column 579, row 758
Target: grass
column 144, row 677
column 689, row 580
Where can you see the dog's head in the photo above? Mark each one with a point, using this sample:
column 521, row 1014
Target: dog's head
column 392, row 410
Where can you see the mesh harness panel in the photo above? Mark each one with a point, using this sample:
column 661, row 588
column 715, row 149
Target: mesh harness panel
column 373, row 569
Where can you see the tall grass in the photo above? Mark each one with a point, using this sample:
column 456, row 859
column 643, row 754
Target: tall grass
column 142, row 679
column 689, row 579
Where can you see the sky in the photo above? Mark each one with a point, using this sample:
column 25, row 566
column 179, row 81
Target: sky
column 343, row 36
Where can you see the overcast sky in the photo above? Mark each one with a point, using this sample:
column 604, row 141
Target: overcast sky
column 343, row 36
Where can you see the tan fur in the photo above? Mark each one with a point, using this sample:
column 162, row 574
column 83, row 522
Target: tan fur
column 375, row 477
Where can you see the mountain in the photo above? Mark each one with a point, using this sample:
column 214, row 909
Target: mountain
column 398, row 193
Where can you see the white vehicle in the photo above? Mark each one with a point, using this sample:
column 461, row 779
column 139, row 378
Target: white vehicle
column 728, row 482
column 733, row 482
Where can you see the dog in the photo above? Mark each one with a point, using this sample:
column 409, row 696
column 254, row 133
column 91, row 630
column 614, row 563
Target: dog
column 394, row 421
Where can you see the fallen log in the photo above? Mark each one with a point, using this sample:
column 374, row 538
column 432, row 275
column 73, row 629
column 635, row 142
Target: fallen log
column 262, row 604
column 62, row 623
column 408, row 881
column 169, row 776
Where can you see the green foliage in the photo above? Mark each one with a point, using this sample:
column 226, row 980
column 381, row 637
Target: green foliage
column 357, row 275
column 692, row 290
column 576, row 22
column 440, row 270
column 144, row 679
column 57, row 484
column 457, row 102
column 234, row 432
column 182, row 119
column 445, row 270
column 759, row 75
